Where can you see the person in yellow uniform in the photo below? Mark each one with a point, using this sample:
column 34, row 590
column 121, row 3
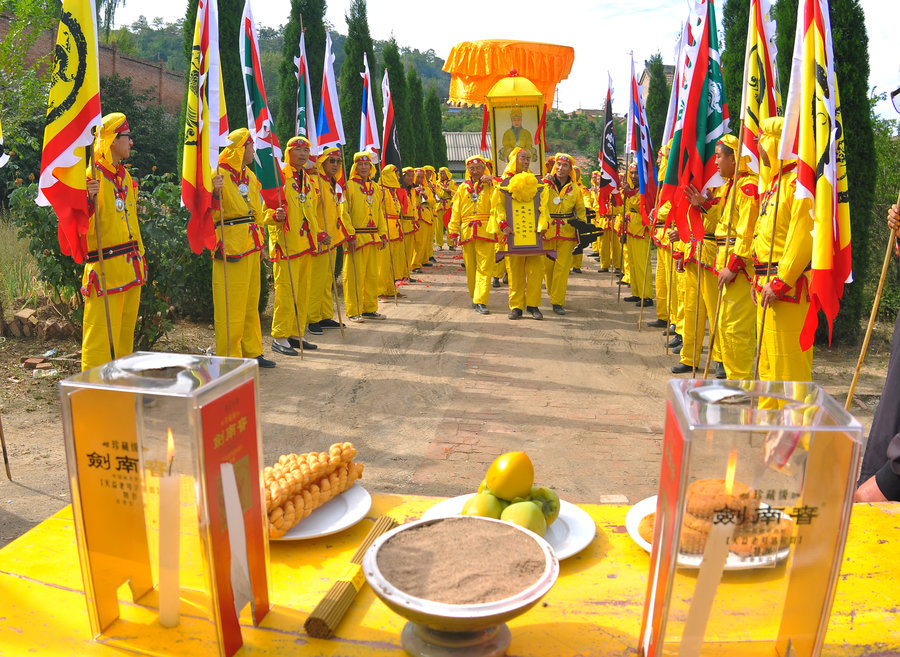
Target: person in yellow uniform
column 578, row 260
column 593, row 202
column 409, row 219
column 368, row 233
column 612, row 214
column 736, row 332
column 623, row 264
column 392, row 265
column 565, row 202
column 292, row 243
column 446, row 188
column 781, row 287
column 637, row 246
column 469, row 227
column 332, row 222
column 425, row 219
column 436, row 224
column 661, row 240
column 112, row 201
column 239, row 334
column 519, row 187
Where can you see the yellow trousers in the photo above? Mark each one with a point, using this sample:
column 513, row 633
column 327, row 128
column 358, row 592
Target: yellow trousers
column 525, row 274
column 736, row 334
column 781, row 358
column 641, row 286
column 439, row 231
column 429, row 241
column 479, row 258
column 387, row 263
column 284, row 318
column 321, row 301
column 604, row 249
column 705, row 305
column 709, row 281
column 556, row 272
column 123, row 312
column 615, row 251
column 409, row 243
column 421, row 242
column 361, row 280
column 663, row 266
column 401, row 261
column 243, row 339
column 679, row 281
column 500, row 268
column 577, row 261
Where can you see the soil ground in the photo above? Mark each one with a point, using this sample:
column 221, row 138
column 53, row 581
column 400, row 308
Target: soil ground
column 433, row 394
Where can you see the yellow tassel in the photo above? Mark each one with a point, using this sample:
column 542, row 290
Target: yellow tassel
column 523, row 186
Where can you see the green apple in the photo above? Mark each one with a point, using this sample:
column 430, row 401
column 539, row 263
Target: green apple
column 548, row 500
column 482, row 504
column 527, row 515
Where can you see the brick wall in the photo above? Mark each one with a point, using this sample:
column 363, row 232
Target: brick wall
column 166, row 87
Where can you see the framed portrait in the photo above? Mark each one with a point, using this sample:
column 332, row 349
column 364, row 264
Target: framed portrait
column 516, row 126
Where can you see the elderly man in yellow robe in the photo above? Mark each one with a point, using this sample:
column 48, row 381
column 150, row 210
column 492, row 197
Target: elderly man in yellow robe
column 292, row 243
column 424, row 237
column 781, row 287
column 392, row 265
column 333, row 232
column 368, row 233
column 516, row 137
column 445, row 189
column 469, row 227
column 409, row 216
column 238, row 333
column 112, row 200
column 564, row 202
column 436, row 217
column 521, row 188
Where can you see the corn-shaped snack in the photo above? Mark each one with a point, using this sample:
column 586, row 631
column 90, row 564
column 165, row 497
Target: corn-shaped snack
column 302, row 503
column 294, row 472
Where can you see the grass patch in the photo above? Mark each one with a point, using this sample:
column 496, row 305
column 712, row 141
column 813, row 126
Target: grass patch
column 18, row 268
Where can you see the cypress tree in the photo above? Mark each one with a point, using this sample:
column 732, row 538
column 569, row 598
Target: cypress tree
column 735, row 19
column 785, row 14
column 416, row 107
column 433, row 120
column 404, row 121
column 312, row 15
column 657, row 99
column 350, row 87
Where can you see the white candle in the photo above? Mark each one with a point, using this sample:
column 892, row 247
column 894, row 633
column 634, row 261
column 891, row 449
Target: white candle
column 169, row 538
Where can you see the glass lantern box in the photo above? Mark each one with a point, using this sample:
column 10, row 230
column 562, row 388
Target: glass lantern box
column 164, row 459
column 751, row 519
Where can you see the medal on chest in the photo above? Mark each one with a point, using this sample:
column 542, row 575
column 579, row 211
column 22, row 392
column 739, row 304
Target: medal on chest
column 244, row 189
column 557, row 201
column 120, row 204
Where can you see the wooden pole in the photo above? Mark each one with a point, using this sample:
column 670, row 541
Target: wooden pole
column 337, row 302
column 287, row 259
column 221, row 227
column 3, row 447
column 99, row 237
column 696, row 357
column 647, row 264
column 865, row 346
column 762, row 323
column 714, row 327
column 624, row 229
column 669, row 313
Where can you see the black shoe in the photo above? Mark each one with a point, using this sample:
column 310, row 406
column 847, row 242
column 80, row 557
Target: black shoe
column 417, row 270
column 676, row 341
column 646, row 303
column 677, row 350
column 281, row 349
column 576, row 270
column 495, row 282
column 432, row 260
column 505, row 279
column 631, row 299
column 559, row 310
column 373, row 316
column 657, row 323
column 328, row 324
column 515, row 313
column 295, row 343
column 603, row 270
column 535, row 312
column 482, row 309
column 720, row 370
column 264, row 362
column 622, row 283
column 315, row 328
column 681, row 368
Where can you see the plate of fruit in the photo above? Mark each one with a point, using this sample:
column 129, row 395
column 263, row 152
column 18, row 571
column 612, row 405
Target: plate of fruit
column 508, row 493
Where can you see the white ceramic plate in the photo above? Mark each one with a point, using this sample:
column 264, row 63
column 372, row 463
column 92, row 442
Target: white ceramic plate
column 335, row 516
column 734, row 562
column 569, row 534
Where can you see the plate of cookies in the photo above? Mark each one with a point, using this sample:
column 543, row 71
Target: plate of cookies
column 761, row 538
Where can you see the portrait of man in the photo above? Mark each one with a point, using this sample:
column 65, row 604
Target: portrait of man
column 519, row 133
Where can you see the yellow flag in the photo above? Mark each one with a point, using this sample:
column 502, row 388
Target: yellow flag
column 73, row 111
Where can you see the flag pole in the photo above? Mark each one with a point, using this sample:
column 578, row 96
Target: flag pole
column 98, row 236
column 358, row 318
column 647, row 264
column 624, row 230
column 5, row 455
column 221, row 227
column 762, row 323
column 714, row 328
column 669, row 313
column 892, row 238
column 695, row 357
column 287, row 258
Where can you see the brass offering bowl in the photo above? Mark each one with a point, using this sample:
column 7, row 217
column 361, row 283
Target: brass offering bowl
column 438, row 629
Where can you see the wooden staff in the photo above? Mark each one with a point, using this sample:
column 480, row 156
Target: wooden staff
column 892, row 239
column 669, row 313
column 5, row 455
column 221, row 228
column 698, row 252
column 647, row 264
column 762, row 323
column 357, row 318
column 714, row 328
column 98, row 237
column 287, row 256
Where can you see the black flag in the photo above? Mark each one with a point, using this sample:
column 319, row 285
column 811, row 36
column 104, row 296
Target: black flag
column 390, row 142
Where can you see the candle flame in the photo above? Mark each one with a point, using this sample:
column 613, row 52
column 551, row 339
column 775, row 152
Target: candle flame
column 170, row 450
column 732, row 467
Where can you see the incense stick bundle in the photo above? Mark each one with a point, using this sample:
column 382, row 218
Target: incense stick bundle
column 325, row 618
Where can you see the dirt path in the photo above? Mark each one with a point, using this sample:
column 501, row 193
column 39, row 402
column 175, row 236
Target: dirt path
column 433, row 394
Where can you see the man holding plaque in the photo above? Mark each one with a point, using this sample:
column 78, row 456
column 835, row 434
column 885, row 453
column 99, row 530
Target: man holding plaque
column 469, row 227
column 367, row 232
column 519, row 208
column 565, row 202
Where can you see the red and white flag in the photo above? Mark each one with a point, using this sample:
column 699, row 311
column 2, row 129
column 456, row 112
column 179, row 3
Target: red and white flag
column 368, row 128
column 329, row 123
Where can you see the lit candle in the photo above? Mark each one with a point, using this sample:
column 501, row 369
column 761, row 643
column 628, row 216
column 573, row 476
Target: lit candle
column 169, row 528
column 715, row 554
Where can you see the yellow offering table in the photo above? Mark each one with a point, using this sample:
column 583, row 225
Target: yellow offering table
column 593, row 610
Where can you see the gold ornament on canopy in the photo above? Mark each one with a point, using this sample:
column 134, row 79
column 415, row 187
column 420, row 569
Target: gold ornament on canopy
column 476, row 66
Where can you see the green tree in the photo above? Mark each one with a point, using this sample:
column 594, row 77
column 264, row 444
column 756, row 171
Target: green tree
column 391, row 58
column 106, row 13
column 433, row 121
column 311, row 15
column 358, row 42
column 416, row 109
column 887, row 182
column 657, row 99
column 785, row 14
column 735, row 18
